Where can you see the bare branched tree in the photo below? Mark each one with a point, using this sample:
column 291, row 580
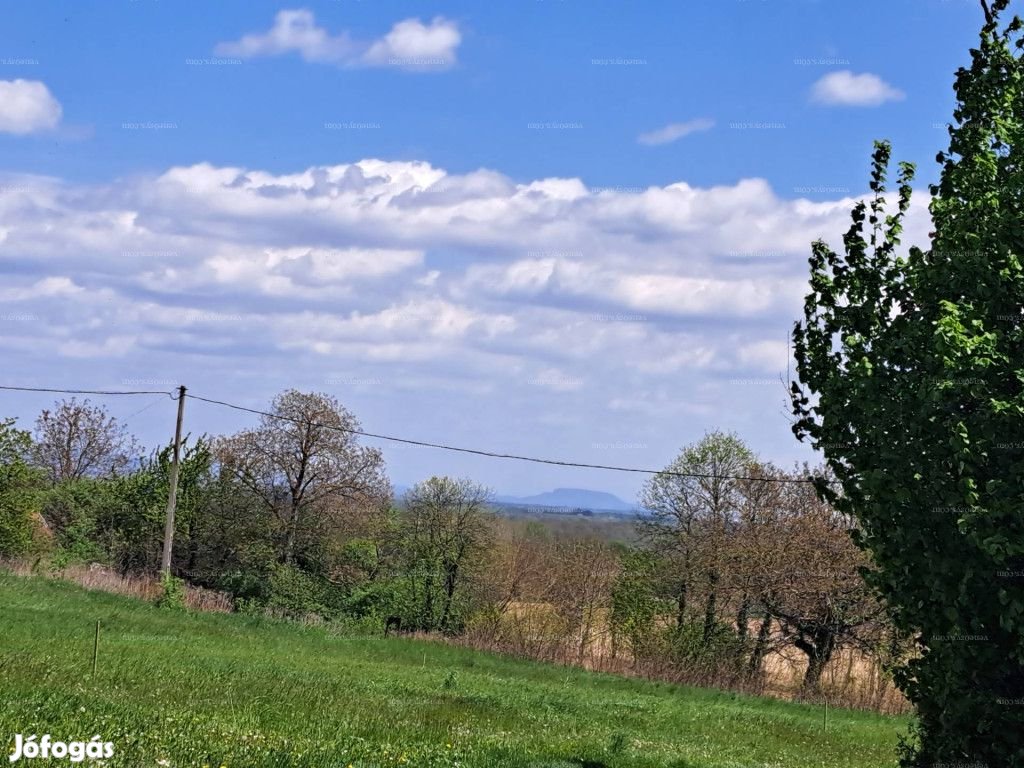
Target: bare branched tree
column 77, row 440
column 306, row 466
column 692, row 515
column 582, row 596
column 810, row 581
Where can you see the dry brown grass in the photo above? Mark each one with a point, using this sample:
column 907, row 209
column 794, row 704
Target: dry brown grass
column 534, row 630
column 141, row 587
column 852, row 679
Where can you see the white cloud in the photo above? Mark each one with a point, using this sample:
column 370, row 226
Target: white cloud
column 472, row 302
column 43, row 288
column 769, row 356
column 660, row 293
column 847, row 89
column 27, row 106
column 675, row 131
column 410, row 44
column 294, row 31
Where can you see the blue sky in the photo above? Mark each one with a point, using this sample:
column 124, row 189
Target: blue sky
column 566, row 228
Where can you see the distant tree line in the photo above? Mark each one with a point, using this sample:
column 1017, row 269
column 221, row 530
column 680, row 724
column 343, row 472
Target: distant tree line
column 735, row 559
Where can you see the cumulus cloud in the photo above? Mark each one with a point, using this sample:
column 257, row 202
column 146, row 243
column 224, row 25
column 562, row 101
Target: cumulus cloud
column 294, row 31
column 27, row 106
column 675, row 131
column 657, row 293
column 414, row 45
column 411, row 44
column 844, row 88
column 536, row 303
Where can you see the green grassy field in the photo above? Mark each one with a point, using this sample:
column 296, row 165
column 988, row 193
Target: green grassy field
column 208, row 689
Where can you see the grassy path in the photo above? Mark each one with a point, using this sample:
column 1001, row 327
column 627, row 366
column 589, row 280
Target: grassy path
column 208, row 689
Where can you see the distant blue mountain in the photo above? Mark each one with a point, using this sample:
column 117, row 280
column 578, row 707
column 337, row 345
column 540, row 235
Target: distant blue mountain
column 582, row 498
column 571, row 498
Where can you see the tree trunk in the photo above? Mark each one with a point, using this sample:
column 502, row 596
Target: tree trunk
column 584, row 635
column 742, row 618
column 815, row 666
column 193, row 550
column 710, row 609
column 297, row 493
column 819, row 652
column 290, row 536
column 761, row 644
column 681, row 607
column 450, row 579
column 427, row 620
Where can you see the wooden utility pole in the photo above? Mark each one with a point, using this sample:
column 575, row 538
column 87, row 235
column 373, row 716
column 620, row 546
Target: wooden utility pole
column 172, row 496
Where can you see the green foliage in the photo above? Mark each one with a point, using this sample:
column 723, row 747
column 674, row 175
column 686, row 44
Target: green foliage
column 265, row 694
column 82, row 514
column 173, row 593
column 345, row 625
column 442, row 533
column 119, row 520
column 689, row 645
column 20, row 485
column 381, row 598
column 916, row 365
column 246, row 586
column 143, row 536
column 294, row 592
column 635, row 605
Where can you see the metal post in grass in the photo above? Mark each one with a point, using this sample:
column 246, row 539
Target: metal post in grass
column 824, row 725
column 96, row 648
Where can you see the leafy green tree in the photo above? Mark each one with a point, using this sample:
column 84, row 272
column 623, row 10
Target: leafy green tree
column 634, row 600
column 19, row 492
column 78, row 513
column 912, row 384
column 446, row 528
column 119, row 520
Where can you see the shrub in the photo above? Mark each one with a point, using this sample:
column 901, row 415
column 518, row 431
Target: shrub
column 74, row 510
column 296, row 593
column 172, row 593
column 379, row 599
column 246, row 587
column 19, row 494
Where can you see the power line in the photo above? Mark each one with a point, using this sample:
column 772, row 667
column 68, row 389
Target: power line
column 89, row 391
column 143, row 408
column 423, row 443
column 494, row 455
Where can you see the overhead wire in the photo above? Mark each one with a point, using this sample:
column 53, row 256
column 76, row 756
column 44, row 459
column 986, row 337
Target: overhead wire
column 422, row 443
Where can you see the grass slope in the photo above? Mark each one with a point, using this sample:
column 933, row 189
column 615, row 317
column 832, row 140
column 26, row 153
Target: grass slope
column 208, row 689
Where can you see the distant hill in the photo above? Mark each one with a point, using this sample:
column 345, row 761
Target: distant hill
column 565, row 500
column 581, row 498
